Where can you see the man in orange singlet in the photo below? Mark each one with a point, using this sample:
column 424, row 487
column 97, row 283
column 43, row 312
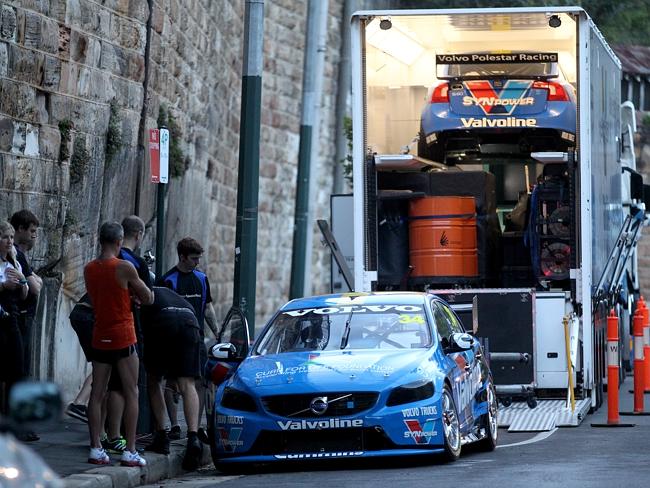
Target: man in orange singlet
column 110, row 282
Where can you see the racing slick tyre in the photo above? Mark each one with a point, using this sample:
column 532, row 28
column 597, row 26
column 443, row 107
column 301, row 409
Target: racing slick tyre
column 450, row 426
column 489, row 422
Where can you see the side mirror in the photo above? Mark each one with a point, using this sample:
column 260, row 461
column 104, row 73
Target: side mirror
column 223, row 351
column 34, row 401
column 461, row 341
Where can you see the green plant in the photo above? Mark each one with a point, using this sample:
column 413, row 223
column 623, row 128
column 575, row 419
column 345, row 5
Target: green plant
column 113, row 134
column 79, row 160
column 646, row 120
column 65, row 126
column 178, row 162
column 347, row 161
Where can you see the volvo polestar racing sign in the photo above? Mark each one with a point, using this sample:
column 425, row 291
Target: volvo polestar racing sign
column 479, row 58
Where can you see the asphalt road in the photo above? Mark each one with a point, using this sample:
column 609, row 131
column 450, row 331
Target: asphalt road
column 582, row 456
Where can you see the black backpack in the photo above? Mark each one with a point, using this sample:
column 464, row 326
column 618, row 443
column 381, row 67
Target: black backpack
column 82, row 319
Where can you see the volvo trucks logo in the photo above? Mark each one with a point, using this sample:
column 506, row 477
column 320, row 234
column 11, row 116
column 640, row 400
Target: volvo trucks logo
column 444, row 240
column 318, row 405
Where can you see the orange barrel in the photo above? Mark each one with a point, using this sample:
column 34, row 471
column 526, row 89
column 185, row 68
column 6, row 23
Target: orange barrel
column 442, row 237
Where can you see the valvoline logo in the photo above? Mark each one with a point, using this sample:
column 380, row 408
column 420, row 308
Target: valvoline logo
column 496, row 97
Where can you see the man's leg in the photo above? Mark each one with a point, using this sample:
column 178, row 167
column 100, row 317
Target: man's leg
column 171, row 402
column 194, row 449
column 157, row 400
column 190, row 403
column 128, row 370
column 101, row 373
column 160, row 442
column 114, row 412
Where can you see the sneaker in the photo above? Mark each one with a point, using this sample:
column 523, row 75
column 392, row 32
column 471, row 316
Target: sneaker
column 132, row 459
column 78, row 412
column 159, row 444
column 174, row 433
column 98, row 456
column 115, row 446
column 192, row 454
column 28, row 436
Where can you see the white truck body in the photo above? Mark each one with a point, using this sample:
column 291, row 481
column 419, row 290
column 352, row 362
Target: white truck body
column 389, row 81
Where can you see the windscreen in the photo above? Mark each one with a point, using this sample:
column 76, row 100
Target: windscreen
column 336, row 328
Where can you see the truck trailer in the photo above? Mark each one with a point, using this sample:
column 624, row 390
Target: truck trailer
column 491, row 167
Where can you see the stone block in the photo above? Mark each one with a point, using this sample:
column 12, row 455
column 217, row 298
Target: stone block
column 64, row 41
column 8, row 23
column 158, row 20
column 42, row 102
column 4, row 59
column 139, row 10
column 25, row 65
column 60, row 108
column 51, row 73
column 31, row 37
column 25, row 140
column 18, row 100
column 6, row 134
column 49, row 142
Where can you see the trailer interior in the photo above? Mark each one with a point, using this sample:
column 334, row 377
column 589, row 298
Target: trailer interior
column 547, row 211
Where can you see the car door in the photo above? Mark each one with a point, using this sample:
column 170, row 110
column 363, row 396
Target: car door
column 467, row 372
column 230, row 349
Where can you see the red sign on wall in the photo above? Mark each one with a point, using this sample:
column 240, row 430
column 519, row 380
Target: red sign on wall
column 154, row 154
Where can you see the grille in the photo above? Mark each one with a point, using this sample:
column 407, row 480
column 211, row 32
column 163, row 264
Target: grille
column 326, row 440
column 340, row 404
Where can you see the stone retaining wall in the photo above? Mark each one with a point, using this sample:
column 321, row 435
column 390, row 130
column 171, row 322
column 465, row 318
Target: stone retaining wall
column 64, row 62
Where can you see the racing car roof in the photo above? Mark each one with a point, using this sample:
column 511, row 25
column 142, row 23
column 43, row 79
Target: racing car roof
column 341, row 299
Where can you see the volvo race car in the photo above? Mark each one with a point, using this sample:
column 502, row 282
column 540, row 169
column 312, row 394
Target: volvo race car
column 497, row 105
column 354, row 376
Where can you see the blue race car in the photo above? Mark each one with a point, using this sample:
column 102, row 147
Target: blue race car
column 354, row 376
column 497, row 105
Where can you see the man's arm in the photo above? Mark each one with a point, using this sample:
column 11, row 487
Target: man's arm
column 211, row 319
column 130, row 275
column 35, row 284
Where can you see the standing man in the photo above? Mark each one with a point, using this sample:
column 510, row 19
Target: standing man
column 193, row 285
column 173, row 341
column 26, row 226
column 134, row 228
column 110, row 282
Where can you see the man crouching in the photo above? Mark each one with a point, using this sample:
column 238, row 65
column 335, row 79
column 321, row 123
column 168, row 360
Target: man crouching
column 172, row 351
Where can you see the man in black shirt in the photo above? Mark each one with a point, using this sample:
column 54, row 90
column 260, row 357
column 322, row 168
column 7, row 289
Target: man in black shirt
column 26, row 226
column 193, row 285
column 172, row 339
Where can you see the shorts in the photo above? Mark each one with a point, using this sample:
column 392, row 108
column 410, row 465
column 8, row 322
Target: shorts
column 172, row 345
column 112, row 356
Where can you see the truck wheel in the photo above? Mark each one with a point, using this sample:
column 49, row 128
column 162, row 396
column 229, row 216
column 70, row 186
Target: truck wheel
column 450, row 426
column 489, row 422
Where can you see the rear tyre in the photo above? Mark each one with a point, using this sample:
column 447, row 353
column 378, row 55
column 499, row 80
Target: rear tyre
column 489, row 422
column 433, row 152
column 450, row 426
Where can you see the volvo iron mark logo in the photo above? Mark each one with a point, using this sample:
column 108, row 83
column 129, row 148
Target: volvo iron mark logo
column 318, row 405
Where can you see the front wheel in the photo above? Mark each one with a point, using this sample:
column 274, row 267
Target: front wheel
column 489, row 422
column 450, row 426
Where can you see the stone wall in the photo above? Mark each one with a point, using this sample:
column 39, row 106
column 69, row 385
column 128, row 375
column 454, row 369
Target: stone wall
column 63, row 63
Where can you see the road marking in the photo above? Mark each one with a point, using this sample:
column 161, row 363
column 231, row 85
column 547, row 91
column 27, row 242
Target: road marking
column 539, row 437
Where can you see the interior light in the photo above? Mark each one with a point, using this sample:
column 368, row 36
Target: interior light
column 554, row 21
column 394, row 42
